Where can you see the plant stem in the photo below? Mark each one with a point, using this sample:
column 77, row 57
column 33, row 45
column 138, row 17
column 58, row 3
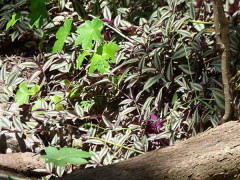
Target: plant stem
column 121, row 146
column 200, row 22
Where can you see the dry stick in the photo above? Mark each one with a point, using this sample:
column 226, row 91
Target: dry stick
column 223, row 43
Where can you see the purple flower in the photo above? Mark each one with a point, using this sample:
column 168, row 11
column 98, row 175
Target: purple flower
column 154, row 125
column 104, row 19
column 153, row 117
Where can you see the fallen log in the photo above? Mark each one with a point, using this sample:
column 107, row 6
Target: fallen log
column 214, row 154
column 21, row 163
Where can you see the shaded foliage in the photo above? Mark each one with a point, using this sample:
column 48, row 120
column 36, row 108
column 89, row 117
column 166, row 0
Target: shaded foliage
column 145, row 76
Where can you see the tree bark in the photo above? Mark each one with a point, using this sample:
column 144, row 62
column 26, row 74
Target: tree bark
column 223, row 42
column 21, row 163
column 214, row 154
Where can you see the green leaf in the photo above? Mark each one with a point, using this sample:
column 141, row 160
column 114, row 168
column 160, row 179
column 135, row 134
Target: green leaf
column 37, row 104
column 62, row 35
column 89, row 31
column 110, row 49
column 66, row 155
column 100, row 60
column 174, row 98
column 73, row 93
column 98, row 63
column 14, row 19
column 23, row 88
column 59, row 107
column 21, row 97
column 55, row 99
column 23, row 93
column 34, row 90
column 38, row 12
column 85, row 104
column 81, row 58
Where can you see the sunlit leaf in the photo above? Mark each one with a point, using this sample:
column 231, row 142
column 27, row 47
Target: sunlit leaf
column 89, row 31
column 81, row 58
column 62, row 35
column 38, row 12
column 14, row 19
column 66, row 155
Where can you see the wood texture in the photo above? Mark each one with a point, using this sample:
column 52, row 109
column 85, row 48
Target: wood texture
column 223, row 43
column 214, row 154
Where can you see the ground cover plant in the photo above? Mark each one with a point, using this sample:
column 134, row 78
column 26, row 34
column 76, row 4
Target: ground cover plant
column 113, row 78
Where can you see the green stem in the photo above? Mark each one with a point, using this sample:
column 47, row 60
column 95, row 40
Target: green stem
column 121, row 146
column 200, row 22
column 206, row 22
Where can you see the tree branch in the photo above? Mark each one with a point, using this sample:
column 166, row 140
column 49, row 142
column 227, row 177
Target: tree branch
column 223, row 43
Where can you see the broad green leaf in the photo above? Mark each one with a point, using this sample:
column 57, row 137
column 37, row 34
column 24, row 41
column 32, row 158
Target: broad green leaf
column 21, row 97
column 89, row 31
column 185, row 33
column 34, row 90
column 81, row 58
column 17, row 123
column 66, row 155
column 59, row 107
column 98, row 63
column 110, row 50
column 37, row 104
column 62, row 35
column 105, row 53
column 195, row 117
column 23, row 93
column 151, row 81
column 55, row 99
column 14, row 19
column 23, row 88
column 38, row 12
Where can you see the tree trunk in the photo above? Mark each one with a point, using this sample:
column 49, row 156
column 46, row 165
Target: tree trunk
column 223, row 43
column 214, row 154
